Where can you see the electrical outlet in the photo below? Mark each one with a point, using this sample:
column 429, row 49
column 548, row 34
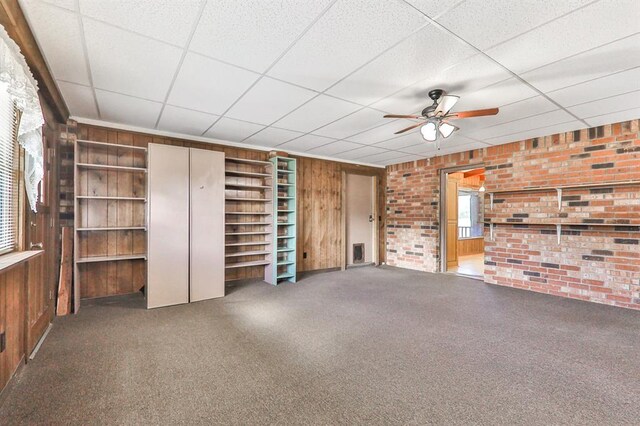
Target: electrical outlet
column 304, row 255
column 3, row 342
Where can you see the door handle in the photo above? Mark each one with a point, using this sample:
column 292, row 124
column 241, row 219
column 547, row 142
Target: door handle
column 370, row 218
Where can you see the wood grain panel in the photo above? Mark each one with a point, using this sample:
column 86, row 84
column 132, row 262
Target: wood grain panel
column 470, row 246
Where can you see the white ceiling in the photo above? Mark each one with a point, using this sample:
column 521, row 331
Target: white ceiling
column 317, row 76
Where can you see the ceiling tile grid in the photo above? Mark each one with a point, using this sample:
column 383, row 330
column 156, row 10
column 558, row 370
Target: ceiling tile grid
column 316, row 77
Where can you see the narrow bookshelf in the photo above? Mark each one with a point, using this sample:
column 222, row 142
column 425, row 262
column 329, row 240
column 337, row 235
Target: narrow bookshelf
column 283, row 267
column 248, row 227
column 110, row 217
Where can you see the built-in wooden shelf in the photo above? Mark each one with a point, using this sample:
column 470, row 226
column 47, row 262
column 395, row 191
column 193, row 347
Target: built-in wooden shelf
column 285, row 276
column 111, row 258
column 567, row 187
column 286, row 171
column 249, row 213
column 247, row 233
column 285, row 224
column 247, row 223
column 257, row 200
column 248, row 243
column 100, row 197
column 248, row 161
column 246, row 186
column 247, row 253
column 286, row 198
column 285, row 237
column 285, row 263
column 110, row 145
column 286, row 184
column 109, row 167
column 247, row 174
column 113, row 228
column 607, row 225
column 247, row 264
column 285, row 250
column 286, row 211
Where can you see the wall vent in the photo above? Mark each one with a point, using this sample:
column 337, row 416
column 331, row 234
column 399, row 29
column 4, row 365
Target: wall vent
column 358, row 253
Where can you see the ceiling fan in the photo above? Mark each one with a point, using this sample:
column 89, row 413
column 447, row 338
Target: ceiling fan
column 435, row 116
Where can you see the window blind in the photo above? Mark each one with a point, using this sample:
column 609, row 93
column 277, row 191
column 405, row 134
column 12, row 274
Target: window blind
column 8, row 176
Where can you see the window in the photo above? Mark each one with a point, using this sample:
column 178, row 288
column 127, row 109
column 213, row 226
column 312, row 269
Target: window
column 470, row 214
column 8, row 175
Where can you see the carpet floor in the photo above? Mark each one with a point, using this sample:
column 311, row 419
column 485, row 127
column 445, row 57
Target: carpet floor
column 365, row 346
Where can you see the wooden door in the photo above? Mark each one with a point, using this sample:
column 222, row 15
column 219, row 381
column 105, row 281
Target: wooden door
column 206, row 269
column 452, row 223
column 168, row 226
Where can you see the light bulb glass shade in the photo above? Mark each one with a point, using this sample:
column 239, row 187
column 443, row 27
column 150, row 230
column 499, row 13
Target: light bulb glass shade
column 482, row 188
column 428, row 131
column 446, row 129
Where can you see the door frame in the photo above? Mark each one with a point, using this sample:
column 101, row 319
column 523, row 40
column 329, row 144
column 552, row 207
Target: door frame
column 376, row 219
column 443, row 209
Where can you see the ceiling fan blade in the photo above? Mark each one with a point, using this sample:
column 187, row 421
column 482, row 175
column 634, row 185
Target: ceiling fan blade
column 445, row 103
column 473, row 113
column 408, row 128
column 401, row 116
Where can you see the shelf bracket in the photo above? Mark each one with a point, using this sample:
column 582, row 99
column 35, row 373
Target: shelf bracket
column 491, row 200
column 559, row 198
column 558, row 231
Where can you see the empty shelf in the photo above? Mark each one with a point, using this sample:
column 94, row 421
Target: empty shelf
column 247, row 264
column 247, row 253
column 285, row 224
column 114, row 228
column 247, row 161
column 248, row 243
column 286, row 211
column 285, row 250
column 249, row 213
column 285, row 237
column 100, row 197
column 284, row 276
column 107, row 145
column 286, row 263
column 285, row 171
column 247, row 223
column 247, row 233
column 244, row 185
column 247, row 174
column 257, row 200
column 285, row 184
column 112, row 258
column 108, row 167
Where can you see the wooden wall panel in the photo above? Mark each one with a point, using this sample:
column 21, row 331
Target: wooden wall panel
column 319, row 186
column 470, row 246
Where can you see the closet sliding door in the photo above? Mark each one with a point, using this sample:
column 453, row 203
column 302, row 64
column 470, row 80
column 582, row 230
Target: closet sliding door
column 168, row 226
column 207, row 225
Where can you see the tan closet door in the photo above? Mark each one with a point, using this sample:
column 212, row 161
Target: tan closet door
column 452, row 223
column 207, row 225
column 168, row 226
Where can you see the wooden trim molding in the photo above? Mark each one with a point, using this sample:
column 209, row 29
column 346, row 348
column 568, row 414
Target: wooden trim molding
column 15, row 23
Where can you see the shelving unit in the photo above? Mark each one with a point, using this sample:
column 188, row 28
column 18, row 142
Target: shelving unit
column 248, row 228
column 110, row 214
column 284, row 220
column 558, row 223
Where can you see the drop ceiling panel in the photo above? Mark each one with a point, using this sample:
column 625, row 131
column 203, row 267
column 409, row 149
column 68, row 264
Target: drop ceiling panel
column 123, row 109
column 460, row 79
column 381, row 133
column 383, row 156
column 614, row 84
column 422, row 54
column 357, row 122
column 185, row 121
column 232, row 130
column 351, row 33
column 269, row 100
column 316, row 113
column 207, row 85
column 614, row 117
column 495, row 21
column 359, row 153
column 252, row 33
column 165, row 20
column 67, row 4
column 334, row 148
column 496, row 95
column 592, row 26
column 79, row 99
column 272, row 136
column 539, row 132
column 524, row 124
column 593, row 64
column 617, row 103
column 58, row 34
column 403, row 159
column 128, row 63
column 306, row 142
column 401, row 142
column 433, row 8
column 424, row 148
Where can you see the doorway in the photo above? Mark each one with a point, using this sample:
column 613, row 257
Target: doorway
column 462, row 227
column 360, row 220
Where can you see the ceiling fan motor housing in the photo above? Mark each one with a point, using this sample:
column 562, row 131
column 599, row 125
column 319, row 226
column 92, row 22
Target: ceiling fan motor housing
column 434, row 94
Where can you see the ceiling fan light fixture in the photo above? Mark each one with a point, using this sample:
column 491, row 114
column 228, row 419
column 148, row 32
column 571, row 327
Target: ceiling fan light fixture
column 446, row 129
column 429, row 132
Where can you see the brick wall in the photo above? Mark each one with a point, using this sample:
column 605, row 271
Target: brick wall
column 596, row 263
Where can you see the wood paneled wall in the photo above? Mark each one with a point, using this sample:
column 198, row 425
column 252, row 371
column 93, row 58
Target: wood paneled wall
column 319, row 185
column 470, row 246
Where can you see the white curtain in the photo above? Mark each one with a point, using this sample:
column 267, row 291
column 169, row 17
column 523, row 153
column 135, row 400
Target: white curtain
column 17, row 82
